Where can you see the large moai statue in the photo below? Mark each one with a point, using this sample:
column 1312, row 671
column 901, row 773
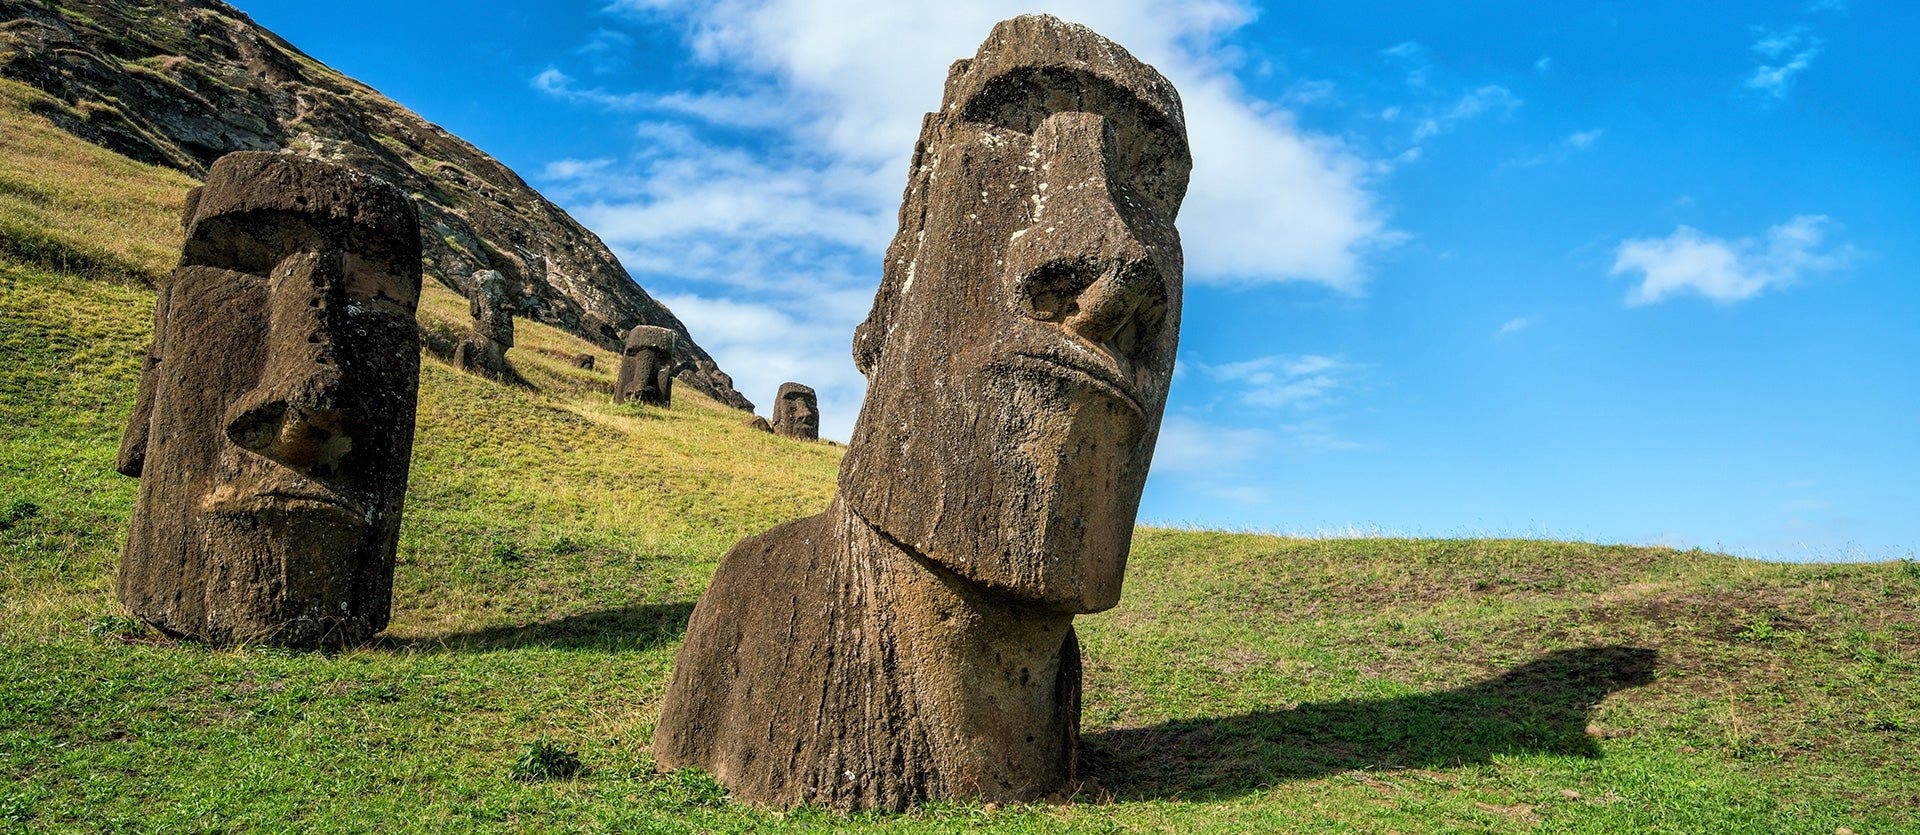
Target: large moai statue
column 484, row 350
column 796, row 412
column 274, row 419
column 915, row 641
column 646, row 367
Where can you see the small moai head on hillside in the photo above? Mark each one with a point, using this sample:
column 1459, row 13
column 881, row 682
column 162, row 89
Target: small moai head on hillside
column 796, row 412
column 1022, row 340
column 490, row 302
column 274, row 421
column 484, row 349
column 646, row 367
column 583, row 361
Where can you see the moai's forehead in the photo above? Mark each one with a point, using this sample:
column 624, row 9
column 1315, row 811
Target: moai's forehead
column 650, row 336
column 258, row 207
column 795, row 390
column 1039, row 59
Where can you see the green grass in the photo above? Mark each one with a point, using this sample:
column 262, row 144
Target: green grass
column 554, row 544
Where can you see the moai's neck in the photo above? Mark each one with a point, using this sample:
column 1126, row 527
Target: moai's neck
column 995, row 683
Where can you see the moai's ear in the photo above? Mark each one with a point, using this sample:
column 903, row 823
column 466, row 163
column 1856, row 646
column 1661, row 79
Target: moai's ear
column 133, row 443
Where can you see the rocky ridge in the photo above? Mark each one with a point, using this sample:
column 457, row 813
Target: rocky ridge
column 178, row 83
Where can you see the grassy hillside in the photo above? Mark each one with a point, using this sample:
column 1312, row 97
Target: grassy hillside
column 554, row 544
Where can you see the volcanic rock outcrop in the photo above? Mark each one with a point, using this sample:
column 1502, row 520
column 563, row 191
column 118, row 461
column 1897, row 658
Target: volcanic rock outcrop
column 274, row 417
column 915, row 641
column 181, row 82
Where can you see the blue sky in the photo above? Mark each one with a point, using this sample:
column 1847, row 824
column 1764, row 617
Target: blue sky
column 1620, row 272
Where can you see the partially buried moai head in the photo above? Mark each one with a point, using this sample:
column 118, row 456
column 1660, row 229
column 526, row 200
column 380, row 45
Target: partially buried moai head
column 646, row 367
column 490, row 302
column 796, row 412
column 275, row 416
column 1022, row 341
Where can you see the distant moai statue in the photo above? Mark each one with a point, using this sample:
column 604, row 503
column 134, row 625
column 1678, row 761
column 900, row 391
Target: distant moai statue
column 584, row 361
column 796, row 412
column 646, row 367
column 484, row 350
column 274, row 419
column 915, row 641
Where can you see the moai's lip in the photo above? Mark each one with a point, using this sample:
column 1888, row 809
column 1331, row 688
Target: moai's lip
column 1087, row 375
column 282, row 497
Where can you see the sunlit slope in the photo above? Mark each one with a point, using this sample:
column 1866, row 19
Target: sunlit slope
column 554, row 544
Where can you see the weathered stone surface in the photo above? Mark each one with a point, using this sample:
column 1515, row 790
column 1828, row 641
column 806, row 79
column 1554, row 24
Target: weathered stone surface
column 274, row 418
column 796, row 412
column 647, row 366
column 180, row 82
column 584, row 361
column 759, row 423
column 484, row 350
column 915, row 641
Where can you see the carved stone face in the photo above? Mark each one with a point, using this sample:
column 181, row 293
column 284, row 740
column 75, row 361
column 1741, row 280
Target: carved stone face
column 488, row 302
column 275, row 421
column 796, row 412
column 646, row 367
column 1023, row 338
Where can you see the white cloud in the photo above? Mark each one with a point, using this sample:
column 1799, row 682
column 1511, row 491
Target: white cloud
column 1787, row 53
column 606, row 50
column 1189, row 445
column 1727, row 271
column 1513, row 326
column 1572, row 144
column 1301, row 382
column 575, row 169
column 1488, row 98
column 847, row 81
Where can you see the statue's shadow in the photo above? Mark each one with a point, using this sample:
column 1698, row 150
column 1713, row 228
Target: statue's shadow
column 624, row 629
column 1541, row 707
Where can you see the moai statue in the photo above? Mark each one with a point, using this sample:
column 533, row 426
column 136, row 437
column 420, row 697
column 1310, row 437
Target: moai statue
column 759, row 424
column 646, row 368
column 484, row 350
column 796, row 412
column 274, row 420
column 583, row 361
column 915, row 641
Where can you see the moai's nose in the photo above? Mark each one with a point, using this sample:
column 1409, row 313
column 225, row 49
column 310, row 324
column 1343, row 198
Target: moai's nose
column 296, row 414
column 1080, row 265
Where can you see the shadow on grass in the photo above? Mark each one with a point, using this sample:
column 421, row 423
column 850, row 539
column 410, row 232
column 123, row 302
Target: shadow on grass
column 625, row 629
column 1541, row 707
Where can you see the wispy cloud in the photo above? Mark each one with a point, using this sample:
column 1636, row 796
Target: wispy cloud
column 1513, row 326
column 1488, row 98
column 558, row 84
column 1784, row 54
column 1562, row 150
column 1439, row 106
column 1723, row 270
column 1277, row 381
column 1213, row 459
column 606, row 50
